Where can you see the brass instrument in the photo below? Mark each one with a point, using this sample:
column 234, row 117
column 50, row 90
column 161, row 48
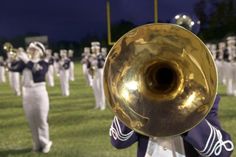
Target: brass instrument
column 190, row 23
column 160, row 80
column 8, row 47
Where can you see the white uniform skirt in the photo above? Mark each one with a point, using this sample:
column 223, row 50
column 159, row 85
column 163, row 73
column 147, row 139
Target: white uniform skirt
column 36, row 108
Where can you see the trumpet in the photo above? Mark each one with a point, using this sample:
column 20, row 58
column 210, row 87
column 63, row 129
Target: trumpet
column 8, row 47
column 160, row 80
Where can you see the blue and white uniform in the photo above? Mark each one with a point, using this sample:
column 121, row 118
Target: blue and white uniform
column 99, row 77
column 97, row 64
column 14, row 77
column 56, row 63
column 35, row 97
column 231, row 49
column 207, row 139
column 72, row 65
column 64, row 67
column 50, row 73
column 85, row 62
column 35, row 100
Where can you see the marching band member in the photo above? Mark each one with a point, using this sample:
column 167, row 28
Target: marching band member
column 218, row 61
column 231, row 49
column 85, row 62
column 104, row 51
column 56, row 63
column 50, row 73
column 92, row 67
column 100, row 64
column 8, row 64
column 205, row 139
column 14, row 76
column 227, row 70
column 223, row 55
column 35, row 96
column 72, row 65
column 2, row 70
column 64, row 66
column 97, row 65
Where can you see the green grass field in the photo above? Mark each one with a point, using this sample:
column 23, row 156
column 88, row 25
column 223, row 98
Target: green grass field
column 76, row 128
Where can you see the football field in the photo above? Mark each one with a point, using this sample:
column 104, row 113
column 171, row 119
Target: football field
column 76, row 128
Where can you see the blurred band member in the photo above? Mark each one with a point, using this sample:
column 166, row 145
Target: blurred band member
column 224, row 55
column 64, row 66
column 56, row 63
column 227, row 70
column 35, row 96
column 14, row 76
column 50, row 73
column 2, row 70
column 72, row 66
column 104, row 51
column 85, row 62
column 97, row 63
column 231, row 49
column 218, row 61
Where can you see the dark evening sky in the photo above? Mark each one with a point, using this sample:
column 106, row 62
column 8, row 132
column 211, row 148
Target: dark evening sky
column 73, row 19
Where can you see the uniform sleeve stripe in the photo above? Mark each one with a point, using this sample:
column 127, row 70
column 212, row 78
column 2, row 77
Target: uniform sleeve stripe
column 116, row 132
column 215, row 143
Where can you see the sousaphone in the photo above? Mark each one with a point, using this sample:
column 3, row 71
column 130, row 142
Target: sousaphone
column 160, row 80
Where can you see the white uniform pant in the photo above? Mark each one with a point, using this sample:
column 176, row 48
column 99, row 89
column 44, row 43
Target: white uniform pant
column 15, row 82
column 86, row 75
column 234, row 79
column 72, row 68
column 64, row 80
column 56, row 68
column 50, row 76
column 225, row 72
column 10, row 78
column 220, row 71
column 36, row 108
column 2, row 75
column 228, row 77
column 98, row 89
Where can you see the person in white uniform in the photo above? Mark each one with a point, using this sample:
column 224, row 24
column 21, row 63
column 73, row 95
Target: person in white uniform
column 35, row 96
column 84, row 62
column 222, row 56
column 218, row 60
column 72, row 65
column 231, row 49
column 56, row 63
column 64, row 66
column 98, row 63
column 14, row 76
column 104, row 51
column 50, row 73
column 2, row 70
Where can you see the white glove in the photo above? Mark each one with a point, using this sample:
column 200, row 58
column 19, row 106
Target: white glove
column 23, row 56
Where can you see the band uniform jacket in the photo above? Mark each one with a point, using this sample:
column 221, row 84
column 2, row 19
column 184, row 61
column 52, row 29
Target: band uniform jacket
column 205, row 139
column 38, row 69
